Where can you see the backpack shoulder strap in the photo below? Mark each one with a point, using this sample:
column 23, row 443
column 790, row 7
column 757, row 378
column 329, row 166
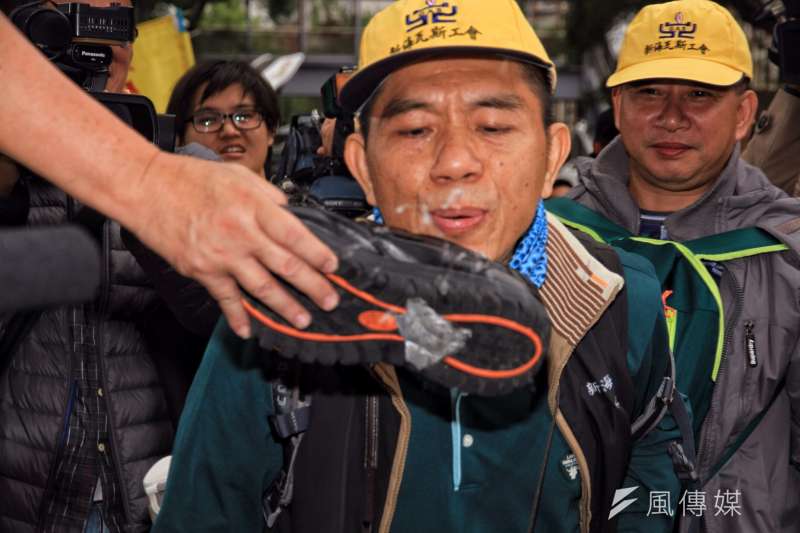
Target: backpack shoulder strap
column 735, row 244
column 658, row 405
column 667, row 399
column 580, row 217
column 290, row 422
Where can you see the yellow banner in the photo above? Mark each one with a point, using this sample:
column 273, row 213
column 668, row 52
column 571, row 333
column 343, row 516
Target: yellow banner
column 161, row 55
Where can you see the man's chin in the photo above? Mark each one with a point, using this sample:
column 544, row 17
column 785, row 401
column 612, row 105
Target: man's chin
column 471, row 239
column 475, row 244
column 677, row 183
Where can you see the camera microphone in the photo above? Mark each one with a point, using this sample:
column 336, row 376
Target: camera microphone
column 47, row 266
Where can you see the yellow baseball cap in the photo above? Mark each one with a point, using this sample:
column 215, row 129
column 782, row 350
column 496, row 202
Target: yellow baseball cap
column 411, row 30
column 696, row 40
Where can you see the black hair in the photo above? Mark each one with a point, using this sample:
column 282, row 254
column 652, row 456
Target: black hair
column 218, row 76
column 536, row 76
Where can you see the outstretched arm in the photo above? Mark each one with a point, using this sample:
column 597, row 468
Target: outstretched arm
column 218, row 223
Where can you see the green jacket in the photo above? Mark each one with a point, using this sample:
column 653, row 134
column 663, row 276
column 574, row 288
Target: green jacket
column 446, row 461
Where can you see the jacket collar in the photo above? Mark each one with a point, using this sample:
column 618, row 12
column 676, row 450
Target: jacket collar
column 578, row 288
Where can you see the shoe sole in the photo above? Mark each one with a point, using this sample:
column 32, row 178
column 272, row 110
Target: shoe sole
column 376, row 279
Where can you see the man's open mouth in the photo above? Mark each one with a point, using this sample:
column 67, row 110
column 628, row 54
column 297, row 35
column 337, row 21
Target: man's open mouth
column 457, row 220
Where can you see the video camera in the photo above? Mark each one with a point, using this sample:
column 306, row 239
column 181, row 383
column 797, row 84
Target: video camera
column 311, row 179
column 78, row 38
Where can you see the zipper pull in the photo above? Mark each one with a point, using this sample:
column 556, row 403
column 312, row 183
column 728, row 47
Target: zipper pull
column 750, row 344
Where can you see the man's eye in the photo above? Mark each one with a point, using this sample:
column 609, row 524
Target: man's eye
column 648, row 91
column 413, row 132
column 495, row 129
column 699, row 93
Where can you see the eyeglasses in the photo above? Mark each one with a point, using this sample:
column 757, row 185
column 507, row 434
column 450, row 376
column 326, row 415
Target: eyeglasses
column 209, row 121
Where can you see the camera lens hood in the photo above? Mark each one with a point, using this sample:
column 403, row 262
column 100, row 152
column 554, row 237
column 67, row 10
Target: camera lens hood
column 49, row 29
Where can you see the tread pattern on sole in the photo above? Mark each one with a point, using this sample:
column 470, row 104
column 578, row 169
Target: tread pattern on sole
column 450, row 279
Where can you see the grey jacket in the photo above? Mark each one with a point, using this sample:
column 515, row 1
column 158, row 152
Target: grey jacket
column 762, row 291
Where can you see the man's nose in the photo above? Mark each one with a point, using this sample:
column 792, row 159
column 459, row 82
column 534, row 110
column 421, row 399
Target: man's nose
column 672, row 116
column 457, row 157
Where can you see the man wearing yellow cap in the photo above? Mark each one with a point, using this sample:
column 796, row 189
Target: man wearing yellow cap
column 682, row 104
column 456, row 142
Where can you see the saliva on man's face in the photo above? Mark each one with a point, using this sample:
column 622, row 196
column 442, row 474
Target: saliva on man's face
column 458, row 149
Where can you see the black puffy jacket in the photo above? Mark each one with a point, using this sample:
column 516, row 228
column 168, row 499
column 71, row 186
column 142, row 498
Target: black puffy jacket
column 140, row 353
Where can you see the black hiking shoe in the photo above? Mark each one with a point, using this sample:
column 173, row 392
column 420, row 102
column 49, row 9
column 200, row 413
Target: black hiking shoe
column 427, row 304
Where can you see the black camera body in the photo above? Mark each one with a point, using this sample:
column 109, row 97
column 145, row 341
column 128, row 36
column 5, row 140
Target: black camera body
column 316, row 180
column 77, row 38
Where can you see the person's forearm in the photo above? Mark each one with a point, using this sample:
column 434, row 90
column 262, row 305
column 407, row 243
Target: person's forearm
column 55, row 108
column 218, row 223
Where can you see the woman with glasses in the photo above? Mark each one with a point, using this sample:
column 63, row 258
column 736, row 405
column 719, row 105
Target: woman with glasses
column 227, row 107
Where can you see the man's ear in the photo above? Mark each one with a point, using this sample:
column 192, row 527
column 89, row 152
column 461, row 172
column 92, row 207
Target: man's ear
column 616, row 97
column 355, row 155
column 558, row 146
column 746, row 113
